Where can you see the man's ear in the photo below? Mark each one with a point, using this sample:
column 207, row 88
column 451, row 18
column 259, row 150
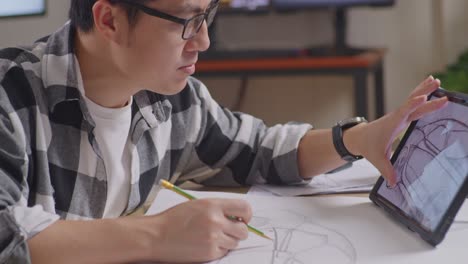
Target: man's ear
column 110, row 21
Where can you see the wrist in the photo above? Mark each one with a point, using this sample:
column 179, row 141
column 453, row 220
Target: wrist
column 339, row 130
column 147, row 239
column 354, row 139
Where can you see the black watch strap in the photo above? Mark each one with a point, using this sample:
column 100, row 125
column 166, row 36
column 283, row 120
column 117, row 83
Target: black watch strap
column 337, row 134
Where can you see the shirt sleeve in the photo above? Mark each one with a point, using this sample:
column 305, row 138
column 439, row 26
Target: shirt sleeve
column 18, row 222
column 243, row 149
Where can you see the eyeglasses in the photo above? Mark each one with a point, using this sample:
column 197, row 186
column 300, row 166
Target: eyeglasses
column 191, row 26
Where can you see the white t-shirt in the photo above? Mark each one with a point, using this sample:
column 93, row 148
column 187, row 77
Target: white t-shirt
column 112, row 135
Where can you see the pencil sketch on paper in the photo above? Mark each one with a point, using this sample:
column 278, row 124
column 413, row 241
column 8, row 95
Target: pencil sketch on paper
column 297, row 240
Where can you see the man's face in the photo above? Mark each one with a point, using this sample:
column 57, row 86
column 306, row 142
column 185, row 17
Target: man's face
column 155, row 56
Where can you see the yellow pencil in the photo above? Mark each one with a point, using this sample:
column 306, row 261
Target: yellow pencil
column 178, row 190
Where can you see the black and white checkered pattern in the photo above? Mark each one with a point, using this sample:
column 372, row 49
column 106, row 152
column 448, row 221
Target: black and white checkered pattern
column 49, row 155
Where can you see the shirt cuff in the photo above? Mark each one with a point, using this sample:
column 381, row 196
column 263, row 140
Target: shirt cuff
column 32, row 220
column 290, row 174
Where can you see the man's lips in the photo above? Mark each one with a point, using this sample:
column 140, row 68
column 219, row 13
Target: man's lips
column 189, row 69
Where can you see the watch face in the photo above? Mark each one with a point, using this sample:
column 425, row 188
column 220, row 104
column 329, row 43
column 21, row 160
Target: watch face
column 352, row 121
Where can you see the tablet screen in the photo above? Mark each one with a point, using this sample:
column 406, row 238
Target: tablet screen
column 431, row 166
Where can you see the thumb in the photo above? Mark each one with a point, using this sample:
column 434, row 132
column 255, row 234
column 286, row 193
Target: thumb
column 387, row 170
column 238, row 208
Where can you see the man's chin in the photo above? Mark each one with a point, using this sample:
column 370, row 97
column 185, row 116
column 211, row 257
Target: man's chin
column 171, row 88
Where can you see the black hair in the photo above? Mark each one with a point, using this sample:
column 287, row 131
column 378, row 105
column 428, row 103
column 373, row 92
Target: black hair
column 81, row 14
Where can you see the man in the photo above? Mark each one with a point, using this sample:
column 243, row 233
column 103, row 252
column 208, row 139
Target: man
column 93, row 116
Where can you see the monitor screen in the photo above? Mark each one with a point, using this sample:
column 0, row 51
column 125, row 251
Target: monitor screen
column 21, row 7
column 262, row 5
column 329, row 3
column 249, row 4
column 244, row 5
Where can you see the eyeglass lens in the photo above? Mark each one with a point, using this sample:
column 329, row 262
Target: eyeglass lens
column 195, row 23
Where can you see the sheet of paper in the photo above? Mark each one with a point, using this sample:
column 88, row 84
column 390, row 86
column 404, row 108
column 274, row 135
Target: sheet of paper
column 360, row 177
column 333, row 230
column 256, row 190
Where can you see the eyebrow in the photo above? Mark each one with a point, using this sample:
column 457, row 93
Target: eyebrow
column 191, row 8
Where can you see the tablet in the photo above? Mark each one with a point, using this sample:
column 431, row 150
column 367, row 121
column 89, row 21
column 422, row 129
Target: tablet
column 431, row 162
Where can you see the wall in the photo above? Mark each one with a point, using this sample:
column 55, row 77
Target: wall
column 455, row 28
column 24, row 30
column 421, row 36
column 406, row 30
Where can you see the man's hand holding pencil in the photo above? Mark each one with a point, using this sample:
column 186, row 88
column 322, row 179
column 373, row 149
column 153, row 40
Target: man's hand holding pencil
column 199, row 230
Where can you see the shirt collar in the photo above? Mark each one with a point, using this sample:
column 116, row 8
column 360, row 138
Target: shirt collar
column 60, row 74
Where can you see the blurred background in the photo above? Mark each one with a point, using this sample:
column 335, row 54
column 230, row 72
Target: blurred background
column 420, row 37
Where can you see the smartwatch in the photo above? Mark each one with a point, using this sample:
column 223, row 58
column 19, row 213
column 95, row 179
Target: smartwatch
column 337, row 133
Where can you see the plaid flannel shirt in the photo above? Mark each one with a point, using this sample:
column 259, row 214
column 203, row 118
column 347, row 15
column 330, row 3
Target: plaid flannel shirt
column 51, row 166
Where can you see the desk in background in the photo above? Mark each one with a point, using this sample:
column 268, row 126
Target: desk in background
column 359, row 66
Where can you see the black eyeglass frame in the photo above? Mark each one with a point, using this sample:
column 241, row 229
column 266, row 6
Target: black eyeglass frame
column 213, row 7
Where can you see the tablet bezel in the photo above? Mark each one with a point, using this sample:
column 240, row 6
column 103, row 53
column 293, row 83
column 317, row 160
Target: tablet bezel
column 435, row 237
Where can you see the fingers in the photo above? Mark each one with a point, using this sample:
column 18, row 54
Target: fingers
column 222, row 252
column 239, row 213
column 238, row 208
column 412, row 104
column 228, row 242
column 428, row 108
column 426, row 87
column 388, row 172
column 237, row 230
column 217, row 253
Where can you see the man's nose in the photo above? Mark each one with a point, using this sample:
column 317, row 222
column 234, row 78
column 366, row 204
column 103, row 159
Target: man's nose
column 201, row 41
